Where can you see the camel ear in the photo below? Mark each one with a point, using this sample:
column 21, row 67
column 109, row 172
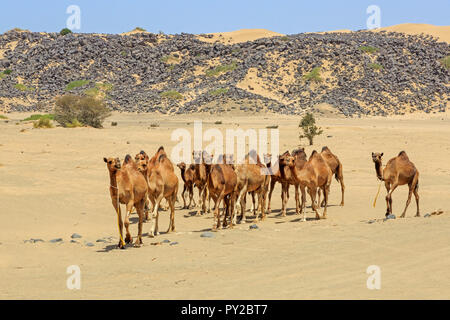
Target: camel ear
column 381, row 154
column 104, row 159
column 373, row 154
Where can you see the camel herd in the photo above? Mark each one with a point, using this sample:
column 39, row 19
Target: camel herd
column 143, row 180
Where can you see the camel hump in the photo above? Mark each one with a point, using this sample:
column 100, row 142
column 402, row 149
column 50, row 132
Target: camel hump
column 160, row 149
column 162, row 157
column 402, row 154
column 127, row 158
column 325, row 148
column 143, row 152
column 192, row 166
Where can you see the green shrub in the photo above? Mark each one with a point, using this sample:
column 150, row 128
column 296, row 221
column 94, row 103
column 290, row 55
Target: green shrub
column 172, row 94
column 72, row 110
column 310, row 130
column 65, row 31
column 376, row 66
column 7, row 71
column 3, row 117
column 221, row 69
column 446, row 62
column 43, row 123
column 219, row 91
column 76, row 84
column 23, row 87
column 139, row 29
column 285, row 38
column 313, row 76
column 368, row 49
column 35, row 117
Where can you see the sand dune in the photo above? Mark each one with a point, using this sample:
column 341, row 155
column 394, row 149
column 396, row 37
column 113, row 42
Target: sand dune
column 440, row 32
column 241, row 35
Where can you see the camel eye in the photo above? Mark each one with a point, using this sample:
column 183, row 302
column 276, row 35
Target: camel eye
column 109, row 161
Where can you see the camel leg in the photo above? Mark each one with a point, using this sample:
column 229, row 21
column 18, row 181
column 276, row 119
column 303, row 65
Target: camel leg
column 254, row 208
column 325, row 198
column 284, row 198
column 272, row 186
column 183, row 197
column 261, row 204
column 388, row 188
column 408, row 201
column 416, row 194
column 318, row 196
column 216, row 223
column 128, row 238
column 341, row 181
column 204, row 196
column 322, row 204
column 154, row 229
column 312, row 194
column 140, row 211
column 200, row 198
column 209, row 201
column 242, row 203
column 389, row 196
column 191, row 196
column 303, row 206
column 171, row 201
column 297, row 200
column 226, row 210
column 120, row 223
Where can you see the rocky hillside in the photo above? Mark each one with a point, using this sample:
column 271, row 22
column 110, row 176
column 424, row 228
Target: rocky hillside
column 355, row 73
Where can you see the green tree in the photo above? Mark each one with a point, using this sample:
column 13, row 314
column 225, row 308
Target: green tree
column 310, row 130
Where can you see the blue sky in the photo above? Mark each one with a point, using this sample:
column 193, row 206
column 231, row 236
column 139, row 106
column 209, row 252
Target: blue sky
column 204, row 16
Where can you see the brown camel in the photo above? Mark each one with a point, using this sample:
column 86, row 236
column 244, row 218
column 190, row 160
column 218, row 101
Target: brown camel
column 127, row 186
column 398, row 171
column 251, row 178
column 201, row 179
column 276, row 176
column 187, row 174
column 162, row 183
column 336, row 167
column 221, row 185
column 314, row 174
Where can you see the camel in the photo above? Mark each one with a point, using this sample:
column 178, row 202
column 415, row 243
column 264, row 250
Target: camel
column 251, row 179
column 276, row 177
column 221, row 185
column 162, row 183
column 201, row 179
column 398, row 171
column 336, row 167
column 127, row 186
column 314, row 174
column 187, row 174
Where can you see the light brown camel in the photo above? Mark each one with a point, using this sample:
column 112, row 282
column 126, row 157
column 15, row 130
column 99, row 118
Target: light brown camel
column 127, row 186
column 276, row 176
column 314, row 174
column 251, row 178
column 398, row 171
column 201, row 180
column 162, row 183
column 336, row 168
column 221, row 185
column 187, row 174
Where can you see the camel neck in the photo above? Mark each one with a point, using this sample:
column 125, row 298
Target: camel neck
column 378, row 170
column 113, row 179
column 183, row 171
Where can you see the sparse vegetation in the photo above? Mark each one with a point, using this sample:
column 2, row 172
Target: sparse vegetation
column 123, row 53
column 368, row 49
column 285, row 38
column 7, row 71
column 23, row 87
column 275, row 126
column 221, row 69
column 76, row 84
column 172, row 94
column 35, row 117
column 313, row 75
column 219, row 91
column 72, row 111
column 310, row 130
column 139, row 29
column 218, row 122
column 2, row 117
column 65, row 31
column 154, row 125
column 376, row 66
column 446, row 62
column 43, row 123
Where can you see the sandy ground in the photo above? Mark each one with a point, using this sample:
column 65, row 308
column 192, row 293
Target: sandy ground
column 53, row 183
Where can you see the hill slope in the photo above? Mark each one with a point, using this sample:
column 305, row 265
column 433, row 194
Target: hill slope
column 354, row 73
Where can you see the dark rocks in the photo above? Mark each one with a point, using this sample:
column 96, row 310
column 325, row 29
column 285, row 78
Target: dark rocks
column 390, row 217
column 174, row 243
column 75, row 236
column 253, row 227
column 56, row 240
column 165, row 241
column 89, row 244
column 32, row 240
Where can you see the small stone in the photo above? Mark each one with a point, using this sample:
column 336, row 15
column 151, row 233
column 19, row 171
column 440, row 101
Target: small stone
column 101, row 240
column 371, row 221
column 128, row 142
column 165, row 241
column 75, row 236
column 89, row 244
column 390, row 217
column 427, row 215
column 73, row 241
column 207, row 235
column 56, row 240
column 253, row 227
column 174, row 243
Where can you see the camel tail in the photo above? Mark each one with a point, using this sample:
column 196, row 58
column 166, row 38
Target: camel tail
column 338, row 172
column 416, row 181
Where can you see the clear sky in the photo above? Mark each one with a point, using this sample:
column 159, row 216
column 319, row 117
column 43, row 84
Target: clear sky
column 205, row 16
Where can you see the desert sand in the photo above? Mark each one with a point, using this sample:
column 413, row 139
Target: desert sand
column 53, row 183
column 241, row 35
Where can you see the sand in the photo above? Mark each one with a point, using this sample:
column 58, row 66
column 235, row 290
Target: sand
column 241, row 35
column 440, row 32
column 53, row 183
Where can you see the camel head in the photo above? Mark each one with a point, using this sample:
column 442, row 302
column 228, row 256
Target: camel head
column 197, row 155
column 287, row 160
column 113, row 164
column 299, row 153
column 207, row 158
column 141, row 160
column 182, row 166
column 376, row 157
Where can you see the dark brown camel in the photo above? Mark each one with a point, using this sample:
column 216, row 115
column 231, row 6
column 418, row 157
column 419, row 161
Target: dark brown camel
column 187, row 174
